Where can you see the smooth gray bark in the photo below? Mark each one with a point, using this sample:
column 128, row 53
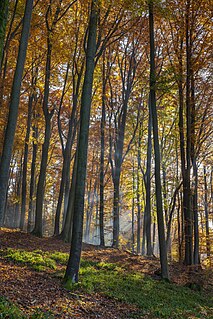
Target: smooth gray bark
column 160, row 218
column 13, row 108
column 25, row 162
column 103, row 120
column 208, row 243
column 3, row 22
column 66, row 233
column 148, row 188
column 32, row 182
column 72, row 270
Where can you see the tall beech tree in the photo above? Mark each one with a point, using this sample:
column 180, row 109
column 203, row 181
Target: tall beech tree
column 13, row 108
column 147, row 177
column 51, row 21
column 127, row 66
column 3, row 22
column 48, row 114
column 26, row 147
column 160, row 218
column 72, row 269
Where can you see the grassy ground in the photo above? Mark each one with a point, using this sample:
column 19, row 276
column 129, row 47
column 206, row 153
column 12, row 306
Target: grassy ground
column 153, row 298
column 8, row 310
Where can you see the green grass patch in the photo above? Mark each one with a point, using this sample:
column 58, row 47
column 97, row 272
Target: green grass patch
column 60, row 258
column 36, row 259
column 158, row 299
column 10, row 311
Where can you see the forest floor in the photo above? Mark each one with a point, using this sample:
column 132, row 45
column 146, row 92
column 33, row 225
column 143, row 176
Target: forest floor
column 114, row 284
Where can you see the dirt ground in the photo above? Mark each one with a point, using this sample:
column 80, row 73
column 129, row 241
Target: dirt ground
column 32, row 290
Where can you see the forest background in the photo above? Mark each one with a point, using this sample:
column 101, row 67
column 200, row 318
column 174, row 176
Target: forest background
column 145, row 69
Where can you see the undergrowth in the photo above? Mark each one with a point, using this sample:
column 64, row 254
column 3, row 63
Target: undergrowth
column 155, row 298
column 37, row 259
column 10, row 311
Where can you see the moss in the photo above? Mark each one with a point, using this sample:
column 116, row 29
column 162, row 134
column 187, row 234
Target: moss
column 61, row 258
column 8, row 310
column 38, row 260
column 160, row 299
column 11, row 311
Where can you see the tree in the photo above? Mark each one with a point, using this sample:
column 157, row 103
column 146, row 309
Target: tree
column 72, row 269
column 161, row 231
column 13, row 108
column 26, row 149
column 147, row 213
column 127, row 66
column 3, row 22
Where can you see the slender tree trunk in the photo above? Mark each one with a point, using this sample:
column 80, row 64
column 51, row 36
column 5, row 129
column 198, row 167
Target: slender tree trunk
column 88, row 211
column 65, row 178
column 160, row 219
column 4, row 55
column 13, row 108
column 133, row 207
column 38, row 229
column 116, row 197
column 148, row 187
column 3, row 22
column 103, row 119
column 72, row 270
column 66, row 233
column 138, row 200
column 179, row 230
column 187, row 212
column 18, row 196
column 66, row 194
column 195, row 210
column 208, row 245
column 194, row 165
column 65, row 171
column 143, row 249
column 153, row 236
column 24, row 176
column 165, row 195
column 32, row 182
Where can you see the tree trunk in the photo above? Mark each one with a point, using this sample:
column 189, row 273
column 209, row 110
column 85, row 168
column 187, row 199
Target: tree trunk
column 103, row 119
column 153, row 236
column 38, row 229
column 138, row 200
column 160, row 219
column 187, row 190
column 65, row 178
column 13, row 108
column 24, row 176
column 18, row 196
column 32, row 182
column 208, row 245
column 65, row 171
column 116, row 197
column 66, row 194
column 72, row 270
column 66, row 233
column 195, row 210
column 3, row 22
column 133, row 207
column 148, row 188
